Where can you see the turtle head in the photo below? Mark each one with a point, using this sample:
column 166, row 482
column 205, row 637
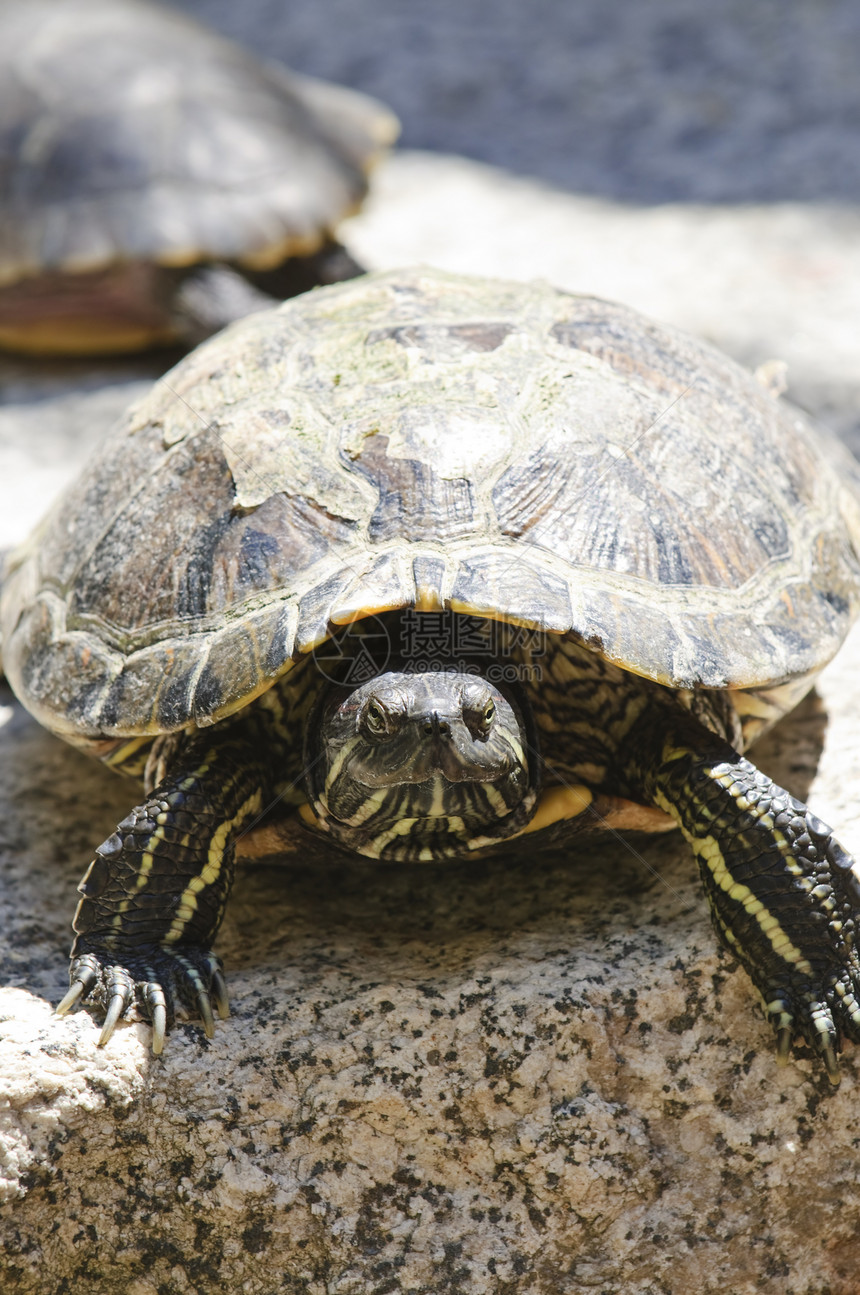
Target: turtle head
column 421, row 765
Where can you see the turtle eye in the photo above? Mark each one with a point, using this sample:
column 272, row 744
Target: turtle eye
column 375, row 719
column 478, row 715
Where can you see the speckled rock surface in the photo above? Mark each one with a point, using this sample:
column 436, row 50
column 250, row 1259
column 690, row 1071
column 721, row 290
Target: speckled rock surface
column 533, row 1078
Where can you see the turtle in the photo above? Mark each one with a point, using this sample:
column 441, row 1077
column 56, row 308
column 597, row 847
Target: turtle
column 158, row 180
column 443, row 566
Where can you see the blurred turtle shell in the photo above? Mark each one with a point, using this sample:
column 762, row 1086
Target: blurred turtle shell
column 134, row 143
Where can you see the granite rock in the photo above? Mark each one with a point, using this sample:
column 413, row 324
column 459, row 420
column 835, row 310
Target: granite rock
column 531, row 1077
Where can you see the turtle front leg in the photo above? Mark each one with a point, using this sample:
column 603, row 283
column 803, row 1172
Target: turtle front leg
column 154, row 895
column 783, row 894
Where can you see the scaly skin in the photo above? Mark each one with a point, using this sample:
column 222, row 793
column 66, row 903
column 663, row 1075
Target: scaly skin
column 154, row 895
column 783, row 895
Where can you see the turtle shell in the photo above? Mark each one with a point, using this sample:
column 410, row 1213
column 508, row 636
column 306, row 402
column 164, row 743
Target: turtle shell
column 420, row 439
column 130, row 132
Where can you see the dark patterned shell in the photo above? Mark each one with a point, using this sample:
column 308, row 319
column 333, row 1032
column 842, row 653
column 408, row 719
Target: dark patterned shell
column 420, row 439
column 131, row 132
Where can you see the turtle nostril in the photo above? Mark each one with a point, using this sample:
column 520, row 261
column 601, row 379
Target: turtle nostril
column 437, row 727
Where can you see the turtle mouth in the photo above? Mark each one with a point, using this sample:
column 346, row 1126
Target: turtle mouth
column 402, row 837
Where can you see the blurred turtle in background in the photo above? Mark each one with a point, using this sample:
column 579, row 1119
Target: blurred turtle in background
column 157, row 181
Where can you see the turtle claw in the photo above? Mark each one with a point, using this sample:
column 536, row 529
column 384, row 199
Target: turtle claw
column 120, row 994
column 205, row 1007
column 815, row 1014
column 783, row 1046
column 825, row 1045
column 156, row 1005
column 831, row 1065
column 84, row 976
column 159, row 1029
column 115, row 1010
column 160, row 980
column 69, row 1000
column 218, row 989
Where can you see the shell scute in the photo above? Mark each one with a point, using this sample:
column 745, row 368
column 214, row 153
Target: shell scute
column 490, row 584
column 414, row 501
column 316, row 609
column 150, row 694
column 232, row 671
column 388, row 584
